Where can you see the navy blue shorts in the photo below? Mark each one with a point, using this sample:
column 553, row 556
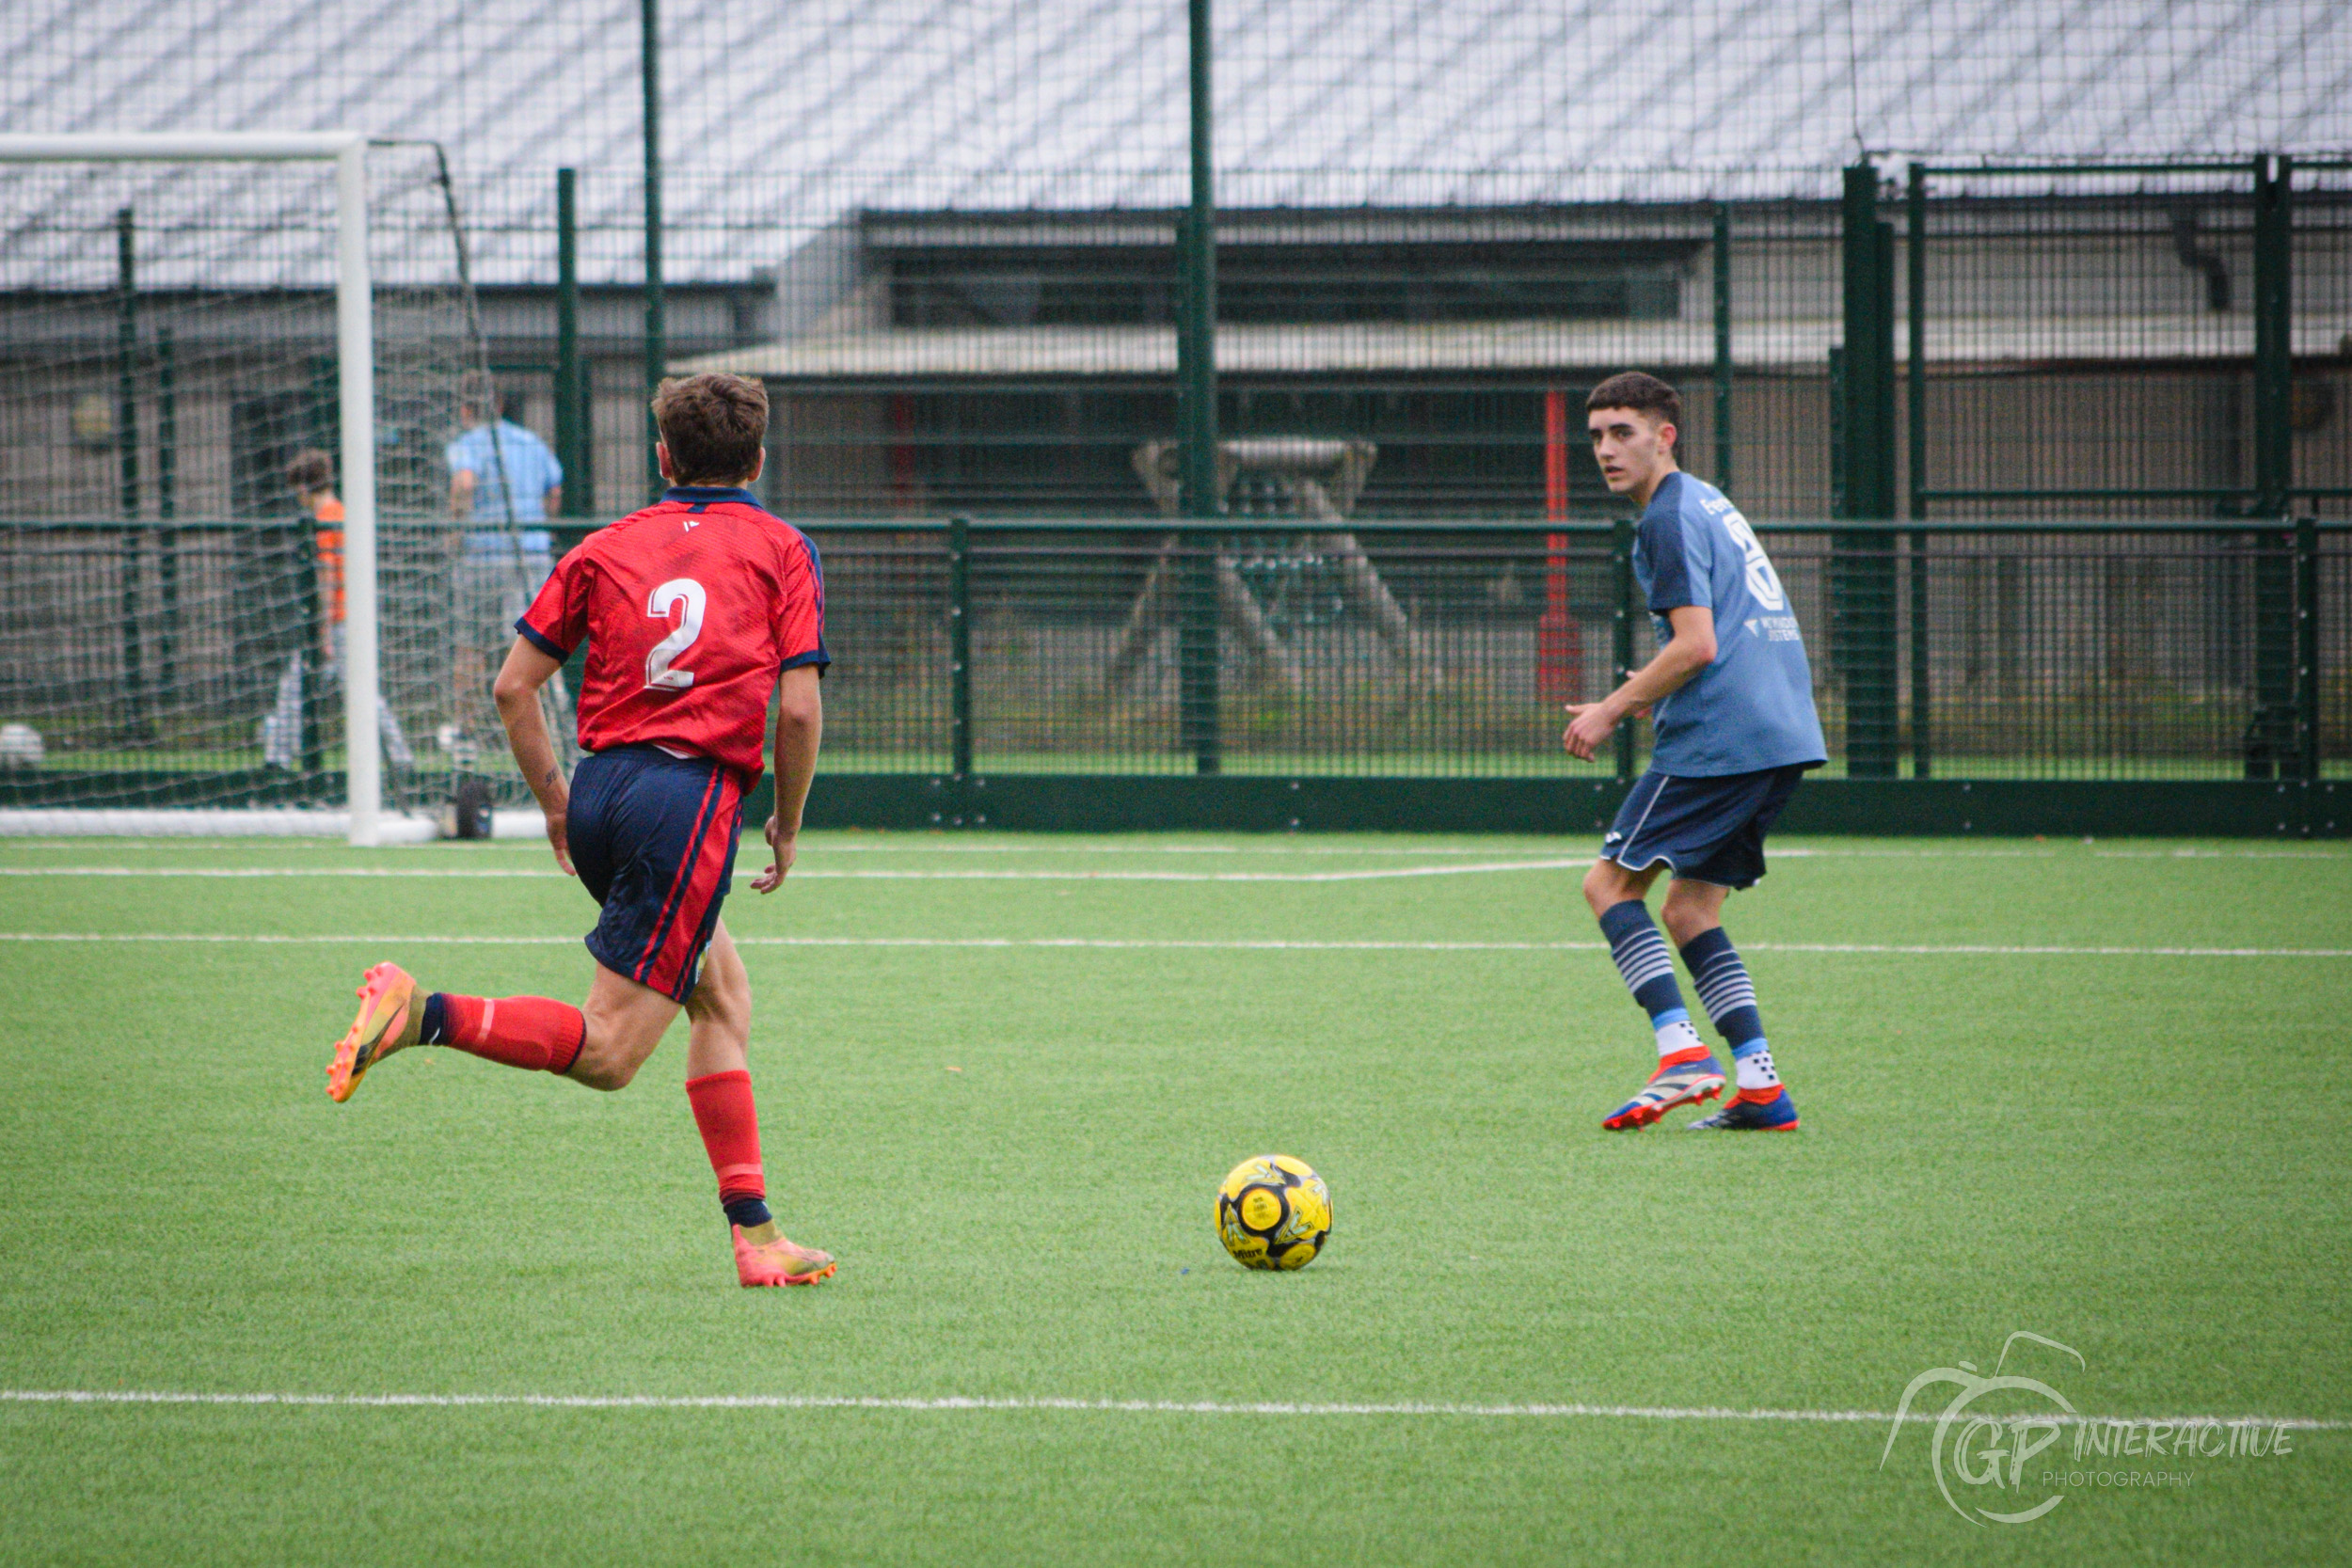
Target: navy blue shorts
column 1704, row 829
column 652, row 838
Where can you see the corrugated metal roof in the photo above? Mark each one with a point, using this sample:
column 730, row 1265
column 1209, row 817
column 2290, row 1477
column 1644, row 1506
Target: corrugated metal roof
column 779, row 117
column 1794, row 343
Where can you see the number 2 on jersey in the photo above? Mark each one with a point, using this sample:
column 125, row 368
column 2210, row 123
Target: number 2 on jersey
column 659, row 676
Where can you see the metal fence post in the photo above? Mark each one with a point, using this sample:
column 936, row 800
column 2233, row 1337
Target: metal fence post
column 127, row 462
column 1837, row 432
column 167, row 509
column 1199, row 692
column 2274, row 364
column 571, row 388
column 1621, row 641
column 167, row 425
column 656, row 327
column 960, row 648
column 1862, row 574
column 1723, row 346
column 2307, row 695
column 1922, row 667
column 1915, row 410
column 2272, row 745
column 1915, row 332
column 1198, row 698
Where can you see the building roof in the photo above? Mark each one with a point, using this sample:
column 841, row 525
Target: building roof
column 1509, row 347
column 779, row 117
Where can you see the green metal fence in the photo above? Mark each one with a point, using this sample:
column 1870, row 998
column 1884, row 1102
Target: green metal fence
column 1432, row 650
column 2047, row 651
column 2046, row 676
column 2114, row 340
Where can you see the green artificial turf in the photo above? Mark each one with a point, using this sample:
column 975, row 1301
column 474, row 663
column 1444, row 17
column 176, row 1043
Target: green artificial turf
column 2139, row 1155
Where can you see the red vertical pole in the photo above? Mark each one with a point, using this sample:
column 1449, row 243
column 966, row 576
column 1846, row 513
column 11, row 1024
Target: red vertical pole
column 906, row 481
column 1559, row 642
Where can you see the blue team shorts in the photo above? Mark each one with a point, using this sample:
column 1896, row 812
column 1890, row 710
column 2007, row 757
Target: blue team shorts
column 652, row 838
column 1704, row 829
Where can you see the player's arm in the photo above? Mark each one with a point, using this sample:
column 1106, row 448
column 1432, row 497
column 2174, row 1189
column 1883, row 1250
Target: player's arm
column 461, row 494
column 1691, row 649
column 516, row 693
column 552, row 503
column 800, row 728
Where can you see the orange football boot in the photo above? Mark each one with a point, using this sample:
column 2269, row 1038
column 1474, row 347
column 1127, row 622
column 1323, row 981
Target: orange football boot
column 782, row 1261
column 388, row 1021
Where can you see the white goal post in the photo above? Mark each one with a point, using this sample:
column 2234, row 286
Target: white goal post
column 355, row 360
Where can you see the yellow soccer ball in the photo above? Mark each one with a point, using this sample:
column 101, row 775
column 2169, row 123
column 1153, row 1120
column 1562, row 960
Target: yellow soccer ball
column 1273, row 1212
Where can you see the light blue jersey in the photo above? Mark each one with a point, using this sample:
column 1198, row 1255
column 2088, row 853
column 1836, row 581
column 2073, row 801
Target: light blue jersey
column 531, row 471
column 1751, row 707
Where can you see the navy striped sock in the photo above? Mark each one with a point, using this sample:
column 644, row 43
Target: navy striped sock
column 1724, row 987
column 1649, row 974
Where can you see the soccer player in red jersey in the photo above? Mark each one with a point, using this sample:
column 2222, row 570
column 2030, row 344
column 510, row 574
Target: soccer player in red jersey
column 696, row 611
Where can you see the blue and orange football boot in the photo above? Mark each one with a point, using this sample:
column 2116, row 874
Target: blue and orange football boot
column 780, row 1261
column 1685, row 1078
column 388, row 1021
column 1752, row 1110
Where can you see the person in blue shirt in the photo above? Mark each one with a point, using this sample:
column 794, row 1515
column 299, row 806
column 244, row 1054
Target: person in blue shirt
column 1731, row 700
column 499, row 472
column 505, row 483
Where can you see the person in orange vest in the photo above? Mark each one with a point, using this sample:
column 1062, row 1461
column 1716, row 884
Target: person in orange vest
column 311, row 477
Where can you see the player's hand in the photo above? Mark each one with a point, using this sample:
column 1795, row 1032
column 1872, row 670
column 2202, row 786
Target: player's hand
column 1590, row 725
column 784, row 845
column 559, row 818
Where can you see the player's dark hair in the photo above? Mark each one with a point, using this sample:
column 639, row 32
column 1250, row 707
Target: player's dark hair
column 1640, row 391
column 310, row 469
column 713, row 425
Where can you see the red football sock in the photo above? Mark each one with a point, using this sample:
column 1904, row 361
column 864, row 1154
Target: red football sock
column 730, row 1129
column 533, row 1032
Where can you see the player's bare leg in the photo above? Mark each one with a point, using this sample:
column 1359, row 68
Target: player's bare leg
column 719, row 1084
column 626, row 1022
column 1691, row 907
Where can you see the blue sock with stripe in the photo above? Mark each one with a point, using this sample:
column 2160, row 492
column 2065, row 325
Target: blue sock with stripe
column 1729, row 997
column 1649, row 974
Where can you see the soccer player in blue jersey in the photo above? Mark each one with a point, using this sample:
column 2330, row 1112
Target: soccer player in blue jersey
column 1732, row 702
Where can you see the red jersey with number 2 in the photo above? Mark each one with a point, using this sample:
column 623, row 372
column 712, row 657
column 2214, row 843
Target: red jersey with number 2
column 690, row 609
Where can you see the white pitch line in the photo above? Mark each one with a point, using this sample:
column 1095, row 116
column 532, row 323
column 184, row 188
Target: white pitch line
column 1143, row 1407
column 239, row 873
column 823, row 847
column 1271, row 944
column 1374, row 873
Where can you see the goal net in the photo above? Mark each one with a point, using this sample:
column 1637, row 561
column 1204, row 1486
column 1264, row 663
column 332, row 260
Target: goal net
column 230, row 370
